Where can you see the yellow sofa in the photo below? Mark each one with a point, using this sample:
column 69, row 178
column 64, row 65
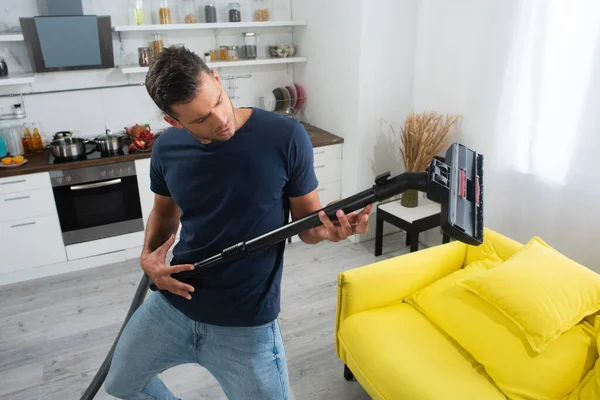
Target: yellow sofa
column 426, row 325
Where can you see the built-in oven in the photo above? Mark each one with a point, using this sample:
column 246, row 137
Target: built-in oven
column 97, row 202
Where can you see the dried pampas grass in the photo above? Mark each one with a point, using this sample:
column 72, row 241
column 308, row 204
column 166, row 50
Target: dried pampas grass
column 424, row 136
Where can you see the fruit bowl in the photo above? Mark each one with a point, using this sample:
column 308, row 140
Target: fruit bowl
column 143, row 144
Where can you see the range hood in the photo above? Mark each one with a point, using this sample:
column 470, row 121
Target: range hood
column 62, row 38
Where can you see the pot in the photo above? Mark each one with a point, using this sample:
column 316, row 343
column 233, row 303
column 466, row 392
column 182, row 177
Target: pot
column 109, row 142
column 68, row 147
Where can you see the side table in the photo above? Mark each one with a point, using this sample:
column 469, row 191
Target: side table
column 412, row 220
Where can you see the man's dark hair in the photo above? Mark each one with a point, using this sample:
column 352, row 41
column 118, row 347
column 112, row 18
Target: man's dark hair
column 174, row 77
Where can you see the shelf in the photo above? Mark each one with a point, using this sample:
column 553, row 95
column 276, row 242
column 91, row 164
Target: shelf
column 229, row 64
column 17, row 79
column 217, row 25
column 4, row 37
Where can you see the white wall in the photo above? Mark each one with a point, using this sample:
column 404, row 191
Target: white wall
column 87, row 112
column 470, row 54
column 332, row 77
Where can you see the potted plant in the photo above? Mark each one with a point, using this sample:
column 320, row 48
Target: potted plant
column 424, row 136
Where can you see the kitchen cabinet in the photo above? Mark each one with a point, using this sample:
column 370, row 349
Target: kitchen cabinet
column 29, row 225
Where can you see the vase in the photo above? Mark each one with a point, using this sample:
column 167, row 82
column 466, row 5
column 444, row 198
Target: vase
column 410, row 198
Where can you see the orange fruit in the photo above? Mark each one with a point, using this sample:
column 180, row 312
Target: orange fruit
column 18, row 159
column 7, row 161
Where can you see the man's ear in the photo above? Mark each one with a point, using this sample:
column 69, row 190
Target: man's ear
column 172, row 121
column 217, row 77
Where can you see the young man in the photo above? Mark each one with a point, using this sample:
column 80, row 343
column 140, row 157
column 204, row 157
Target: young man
column 227, row 174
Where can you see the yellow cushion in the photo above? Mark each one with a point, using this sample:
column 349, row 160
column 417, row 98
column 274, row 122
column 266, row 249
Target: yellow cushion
column 543, row 292
column 589, row 388
column 397, row 353
column 497, row 344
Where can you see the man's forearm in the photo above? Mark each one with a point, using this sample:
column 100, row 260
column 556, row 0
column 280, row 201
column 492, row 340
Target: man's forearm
column 158, row 230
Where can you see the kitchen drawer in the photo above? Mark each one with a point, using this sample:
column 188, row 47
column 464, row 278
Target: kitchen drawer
column 330, row 192
column 142, row 167
column 23, row 183
column 328, row 171
column 323, row 153
column 27, row 204
column 31, row 242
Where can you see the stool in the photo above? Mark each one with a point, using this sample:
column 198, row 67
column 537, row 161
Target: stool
column 411, row 220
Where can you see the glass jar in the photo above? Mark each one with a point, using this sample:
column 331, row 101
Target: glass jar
column 213, row 55
column 233, row 53
column 248, row 48
column 210, row 12
column 223, row 53
column 262, row 10
column 138, row 12
column 157, row 45
column 145, row 55
column 235, row 13
column 164, row 13
column 190, row 12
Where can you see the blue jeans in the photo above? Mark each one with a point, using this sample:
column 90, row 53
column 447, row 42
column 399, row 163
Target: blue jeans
column 249, row 362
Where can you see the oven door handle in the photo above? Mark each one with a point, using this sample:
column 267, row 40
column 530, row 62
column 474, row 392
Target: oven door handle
column 96, row 185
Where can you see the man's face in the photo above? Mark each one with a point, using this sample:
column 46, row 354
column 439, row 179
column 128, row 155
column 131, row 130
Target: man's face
column 208, row 117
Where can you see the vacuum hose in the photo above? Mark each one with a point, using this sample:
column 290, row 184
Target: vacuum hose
column 98, row 380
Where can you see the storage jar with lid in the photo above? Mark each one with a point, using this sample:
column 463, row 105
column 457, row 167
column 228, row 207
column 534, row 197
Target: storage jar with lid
column 223, row 53
column 164, row 13
column 248, row 47
column 235, row 12
column 190, row 12
column 233, row 53
column 210, row 12
column 262, row 10
column 145, row 56
column 157, row 45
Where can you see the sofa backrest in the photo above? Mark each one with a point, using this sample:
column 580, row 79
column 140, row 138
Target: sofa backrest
column 494, row 242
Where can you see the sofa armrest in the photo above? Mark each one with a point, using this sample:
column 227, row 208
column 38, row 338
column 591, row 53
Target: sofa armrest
column 392, row 280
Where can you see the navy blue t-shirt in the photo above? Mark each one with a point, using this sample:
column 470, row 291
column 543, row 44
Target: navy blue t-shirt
column 229, row 192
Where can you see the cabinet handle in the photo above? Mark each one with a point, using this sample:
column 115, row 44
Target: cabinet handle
column 10, row 183
column 25, row 224
column 322, row 190
column 319, row 166
column 18, row 198
column 320, row 152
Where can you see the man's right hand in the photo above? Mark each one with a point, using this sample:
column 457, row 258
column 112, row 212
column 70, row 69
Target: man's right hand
column 154, row 266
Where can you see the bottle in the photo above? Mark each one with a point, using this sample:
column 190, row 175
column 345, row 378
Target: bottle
column 140, row 13
column 164, row 13
column 38, row 143
column 27, row 140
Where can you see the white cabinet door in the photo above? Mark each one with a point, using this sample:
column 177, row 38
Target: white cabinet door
column 146, row 196
column 22, row 183
column 31, row 242
column 26, row 204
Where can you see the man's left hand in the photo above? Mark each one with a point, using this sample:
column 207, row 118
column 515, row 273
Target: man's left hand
column 345, row 226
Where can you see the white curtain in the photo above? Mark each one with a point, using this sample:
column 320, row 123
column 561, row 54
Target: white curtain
column 544, row 176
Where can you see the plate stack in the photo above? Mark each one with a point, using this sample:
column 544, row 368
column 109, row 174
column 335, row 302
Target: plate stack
column 286, row 99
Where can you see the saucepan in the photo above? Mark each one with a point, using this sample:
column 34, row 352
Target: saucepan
column 110, row 142
column 68, row 147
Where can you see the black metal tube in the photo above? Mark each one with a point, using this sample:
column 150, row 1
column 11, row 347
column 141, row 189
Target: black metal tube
column 379, row 192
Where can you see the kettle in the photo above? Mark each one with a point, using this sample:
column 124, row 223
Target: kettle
column 3, row 151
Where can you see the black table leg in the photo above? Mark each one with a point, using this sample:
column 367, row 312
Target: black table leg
column 414, row 242
column 445, row 239
column 378, row 237
column 408, row 238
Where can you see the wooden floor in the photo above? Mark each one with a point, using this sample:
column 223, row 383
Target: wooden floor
column 55, row 332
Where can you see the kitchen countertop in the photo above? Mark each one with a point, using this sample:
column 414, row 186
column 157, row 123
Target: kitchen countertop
column 38, row 162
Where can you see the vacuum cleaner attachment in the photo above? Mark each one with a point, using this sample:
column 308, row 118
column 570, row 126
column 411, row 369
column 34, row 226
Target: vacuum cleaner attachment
column 456, row 183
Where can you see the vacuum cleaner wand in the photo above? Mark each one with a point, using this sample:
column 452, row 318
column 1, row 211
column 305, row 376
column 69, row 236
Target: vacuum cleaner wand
column 456, row 183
